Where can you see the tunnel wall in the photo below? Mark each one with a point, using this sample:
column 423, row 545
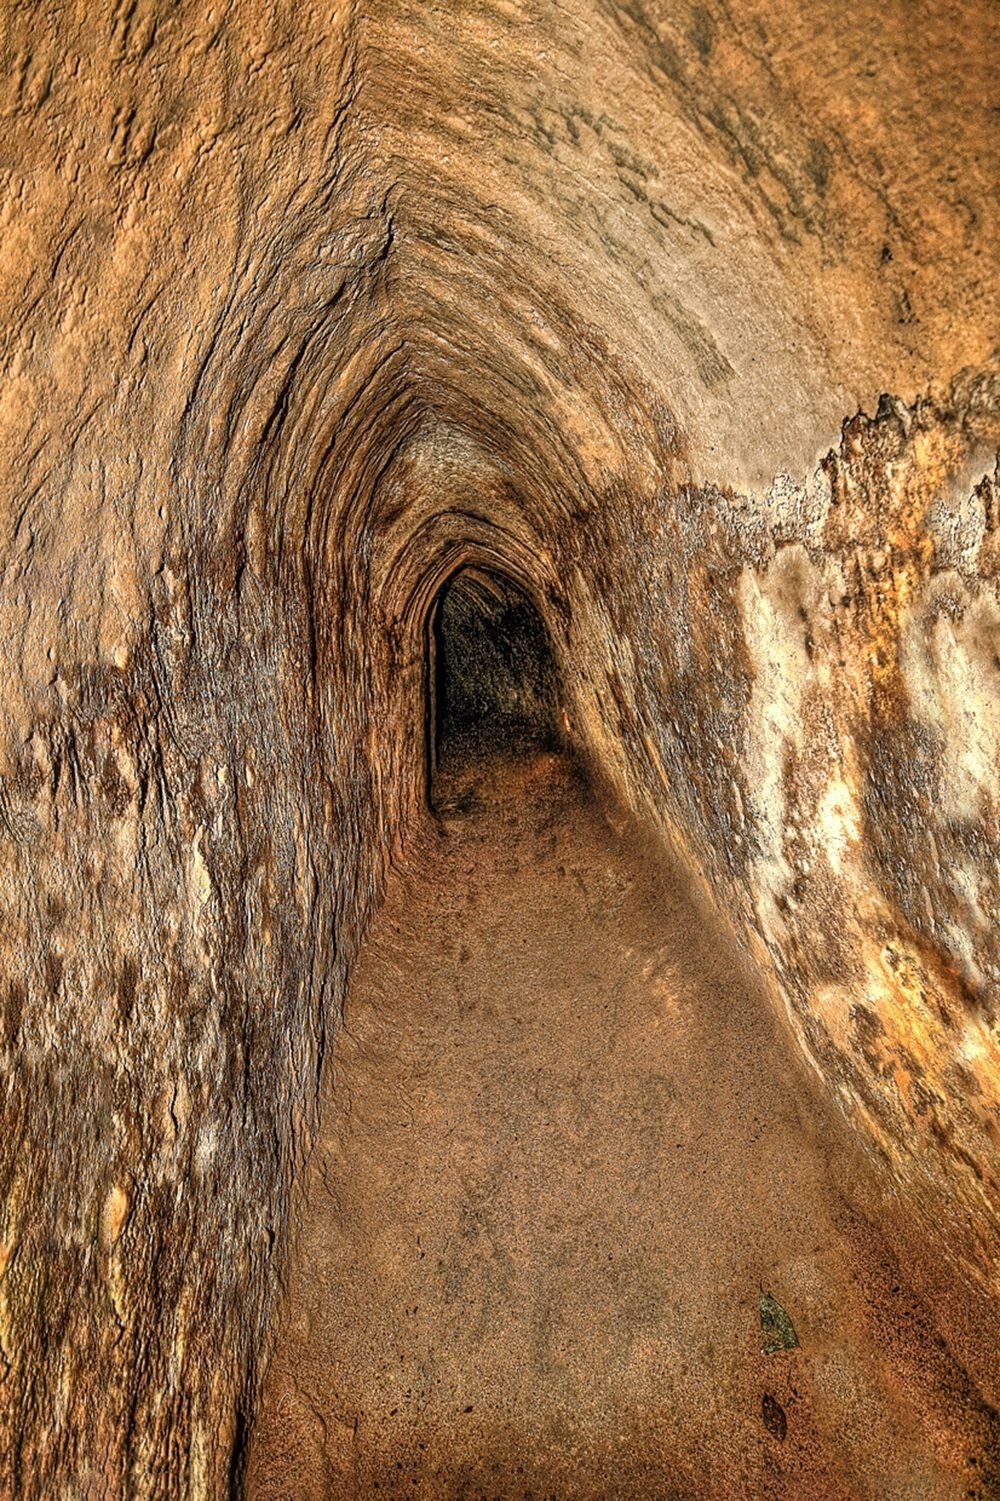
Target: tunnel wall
column 301, row 314
column 805, row 695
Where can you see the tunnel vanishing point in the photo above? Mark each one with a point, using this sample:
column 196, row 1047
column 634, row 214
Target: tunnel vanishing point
column 514, row 481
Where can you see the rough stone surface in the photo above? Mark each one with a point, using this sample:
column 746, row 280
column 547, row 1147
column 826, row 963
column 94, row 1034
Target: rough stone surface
column 682, row 317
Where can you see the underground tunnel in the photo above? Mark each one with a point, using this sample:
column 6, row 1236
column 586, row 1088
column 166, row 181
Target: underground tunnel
column 492, row 682
column 499, row 751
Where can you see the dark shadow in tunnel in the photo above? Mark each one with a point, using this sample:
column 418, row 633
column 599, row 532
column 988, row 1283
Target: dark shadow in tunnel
column 492, row 682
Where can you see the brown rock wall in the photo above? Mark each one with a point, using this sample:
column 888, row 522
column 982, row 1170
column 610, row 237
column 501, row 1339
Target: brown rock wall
column 302, row 308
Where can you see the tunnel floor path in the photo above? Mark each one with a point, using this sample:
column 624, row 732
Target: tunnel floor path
column 565, row 1149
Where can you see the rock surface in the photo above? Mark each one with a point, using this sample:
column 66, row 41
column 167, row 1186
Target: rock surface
column 681, row 317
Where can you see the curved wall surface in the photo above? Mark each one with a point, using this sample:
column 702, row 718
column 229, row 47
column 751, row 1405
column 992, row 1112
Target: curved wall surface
column 683, row 317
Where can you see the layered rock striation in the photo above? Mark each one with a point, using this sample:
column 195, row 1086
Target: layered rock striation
column 681, row 319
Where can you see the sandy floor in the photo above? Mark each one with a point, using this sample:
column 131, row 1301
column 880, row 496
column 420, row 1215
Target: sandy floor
column 565, row 1150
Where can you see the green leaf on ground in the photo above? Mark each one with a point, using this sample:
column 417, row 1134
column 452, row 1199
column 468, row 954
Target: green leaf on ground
column 776, row 1326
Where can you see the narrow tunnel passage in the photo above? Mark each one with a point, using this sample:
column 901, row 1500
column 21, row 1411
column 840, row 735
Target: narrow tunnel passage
column 493, row 684
column 681, row 319
column 565, row 1146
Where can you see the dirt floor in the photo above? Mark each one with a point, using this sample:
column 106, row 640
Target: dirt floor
column 570, row 1184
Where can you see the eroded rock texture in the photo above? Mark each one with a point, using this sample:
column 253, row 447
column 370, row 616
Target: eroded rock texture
column 681, row 316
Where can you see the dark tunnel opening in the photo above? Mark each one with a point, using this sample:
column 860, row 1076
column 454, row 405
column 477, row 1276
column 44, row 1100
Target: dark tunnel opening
column 493, row 686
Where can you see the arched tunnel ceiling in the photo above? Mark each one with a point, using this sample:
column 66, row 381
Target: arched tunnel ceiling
column 766, row 218
column 767, row 244
column 682, row 316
